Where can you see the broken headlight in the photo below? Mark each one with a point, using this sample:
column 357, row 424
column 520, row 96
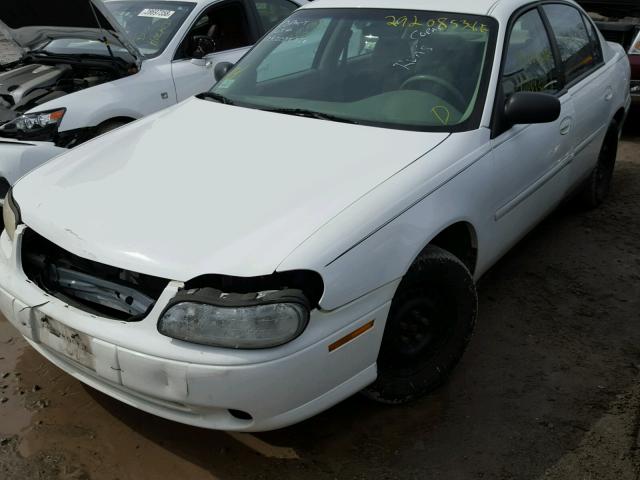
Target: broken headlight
column 11, row 215
column 34, row 126
column 243, row 321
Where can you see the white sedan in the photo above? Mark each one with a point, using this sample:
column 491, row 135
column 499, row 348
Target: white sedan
column 92, row 66
column 314, row 225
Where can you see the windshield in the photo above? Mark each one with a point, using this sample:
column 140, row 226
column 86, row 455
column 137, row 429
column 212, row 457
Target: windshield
column 415, row 70
column 148, row 25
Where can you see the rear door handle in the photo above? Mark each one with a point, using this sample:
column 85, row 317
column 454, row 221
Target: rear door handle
column 608, row 96
column 565, row 126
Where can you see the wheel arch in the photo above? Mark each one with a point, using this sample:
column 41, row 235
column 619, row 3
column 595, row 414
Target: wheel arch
column 619, row 116
column 459, row 239
column 118, row 119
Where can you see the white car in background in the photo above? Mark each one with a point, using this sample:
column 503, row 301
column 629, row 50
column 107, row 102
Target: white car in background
column 315, row 224
column 90, row 66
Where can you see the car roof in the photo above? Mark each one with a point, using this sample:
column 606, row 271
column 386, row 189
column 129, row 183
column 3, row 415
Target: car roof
column 471, row 7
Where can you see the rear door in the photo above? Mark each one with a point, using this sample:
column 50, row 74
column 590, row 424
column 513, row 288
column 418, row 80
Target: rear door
column 530, row 160
column 588, row 83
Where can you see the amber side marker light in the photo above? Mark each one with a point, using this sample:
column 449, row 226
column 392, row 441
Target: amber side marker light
column 356, row 333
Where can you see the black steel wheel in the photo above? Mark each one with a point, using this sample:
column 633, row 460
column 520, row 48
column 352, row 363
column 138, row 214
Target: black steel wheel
column 430, row 323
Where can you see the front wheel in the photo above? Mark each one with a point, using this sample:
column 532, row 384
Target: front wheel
column 430, row 323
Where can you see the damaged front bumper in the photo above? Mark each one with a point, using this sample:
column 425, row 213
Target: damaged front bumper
column 239, row 390
column 18, row 158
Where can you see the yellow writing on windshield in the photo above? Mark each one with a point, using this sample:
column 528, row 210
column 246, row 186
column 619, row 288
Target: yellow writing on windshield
column 441, row 24
column 442, row 113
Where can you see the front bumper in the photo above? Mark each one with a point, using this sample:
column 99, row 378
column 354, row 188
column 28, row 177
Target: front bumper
column 18, row 158
column 193, row 384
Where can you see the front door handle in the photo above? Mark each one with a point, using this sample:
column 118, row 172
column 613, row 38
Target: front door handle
column 565, row 126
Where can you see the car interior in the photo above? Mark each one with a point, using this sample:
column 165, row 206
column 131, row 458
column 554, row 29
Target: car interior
column 225, row 25
column 358, row 65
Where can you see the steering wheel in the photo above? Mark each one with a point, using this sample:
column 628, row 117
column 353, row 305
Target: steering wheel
column 438, row 81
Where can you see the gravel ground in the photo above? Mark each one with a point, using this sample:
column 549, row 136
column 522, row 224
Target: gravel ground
column 548, row 389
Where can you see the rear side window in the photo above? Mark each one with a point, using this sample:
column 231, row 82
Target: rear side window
column 595, row 40
column 575, row 45
column 529, row 65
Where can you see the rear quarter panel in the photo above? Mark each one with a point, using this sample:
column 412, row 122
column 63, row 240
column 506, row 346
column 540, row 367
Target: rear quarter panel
column 621, row 73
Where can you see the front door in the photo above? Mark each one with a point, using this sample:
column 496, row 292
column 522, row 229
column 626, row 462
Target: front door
column 231, row 31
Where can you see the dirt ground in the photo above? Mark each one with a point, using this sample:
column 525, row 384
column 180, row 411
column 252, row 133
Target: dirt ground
column 549, row 388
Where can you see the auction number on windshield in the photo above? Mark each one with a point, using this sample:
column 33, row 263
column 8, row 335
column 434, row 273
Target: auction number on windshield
column 439, row 24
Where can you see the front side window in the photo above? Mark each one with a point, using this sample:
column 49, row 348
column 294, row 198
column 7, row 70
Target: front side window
column 226, row 27
column 576, row 48
column 272, row 12
column 529, row 65
column 416, row 70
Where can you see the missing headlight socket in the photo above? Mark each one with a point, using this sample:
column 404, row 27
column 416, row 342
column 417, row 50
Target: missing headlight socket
column 308, row 282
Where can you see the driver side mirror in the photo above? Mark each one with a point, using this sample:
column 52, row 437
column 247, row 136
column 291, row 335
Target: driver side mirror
column 531, row 107
column 221, row 69
column 201, row 46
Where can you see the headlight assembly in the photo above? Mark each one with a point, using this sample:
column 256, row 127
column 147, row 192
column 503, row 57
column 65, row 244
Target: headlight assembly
column 34, row 126
column 11, row 215
column 242, row 321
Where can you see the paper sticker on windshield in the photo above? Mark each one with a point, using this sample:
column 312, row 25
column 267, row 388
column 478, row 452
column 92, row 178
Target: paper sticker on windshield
column 156, row 13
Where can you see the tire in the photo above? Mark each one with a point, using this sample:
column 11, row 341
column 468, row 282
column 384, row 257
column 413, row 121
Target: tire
column 598, row 185
column 430, row 323
column 108, row 126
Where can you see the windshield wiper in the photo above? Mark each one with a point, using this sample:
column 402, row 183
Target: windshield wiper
column 216, row 97
column 302, row 112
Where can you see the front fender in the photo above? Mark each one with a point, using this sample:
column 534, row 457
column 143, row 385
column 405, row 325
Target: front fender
column 135, row 96
column 375, row 241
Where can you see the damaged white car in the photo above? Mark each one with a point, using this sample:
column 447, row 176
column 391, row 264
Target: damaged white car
column 314, row 225
column 88, row 66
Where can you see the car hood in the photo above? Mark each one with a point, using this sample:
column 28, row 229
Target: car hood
column 32, row 23
column 205, row 188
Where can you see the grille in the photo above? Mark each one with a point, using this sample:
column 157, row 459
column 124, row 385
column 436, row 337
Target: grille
column 93, row 287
